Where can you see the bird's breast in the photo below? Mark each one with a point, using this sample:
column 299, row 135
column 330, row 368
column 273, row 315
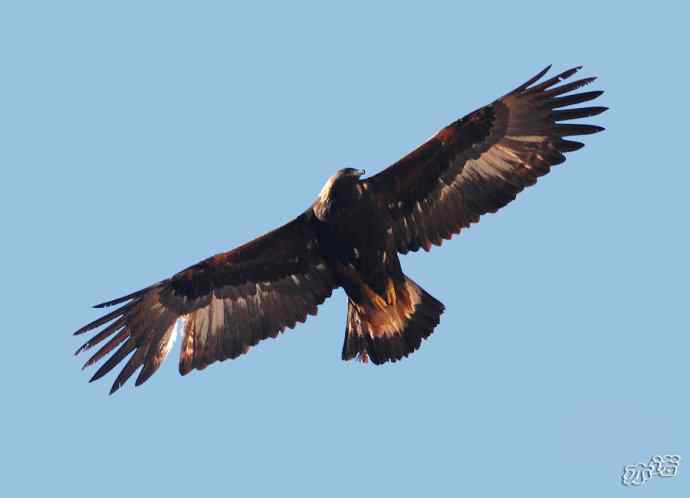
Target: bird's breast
column 356, row 242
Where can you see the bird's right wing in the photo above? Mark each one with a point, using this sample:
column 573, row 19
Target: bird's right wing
column 479, row 163
column 229, row 303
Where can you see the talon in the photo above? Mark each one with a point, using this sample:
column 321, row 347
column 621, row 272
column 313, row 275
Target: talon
column 374, row 299
column 378, row 302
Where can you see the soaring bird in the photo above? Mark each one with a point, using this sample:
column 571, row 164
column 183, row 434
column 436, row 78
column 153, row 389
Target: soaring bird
column 350, row 237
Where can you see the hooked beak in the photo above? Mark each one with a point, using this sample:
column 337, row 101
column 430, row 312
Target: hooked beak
column 360, row 172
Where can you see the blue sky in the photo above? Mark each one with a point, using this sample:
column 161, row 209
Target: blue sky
column 140, row 137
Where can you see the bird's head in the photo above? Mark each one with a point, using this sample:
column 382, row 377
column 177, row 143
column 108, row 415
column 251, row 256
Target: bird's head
column 349, row 173
column 341, row 188
column 344, row 181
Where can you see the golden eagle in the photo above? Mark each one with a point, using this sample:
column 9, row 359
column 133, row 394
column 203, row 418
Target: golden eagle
column 350, row 237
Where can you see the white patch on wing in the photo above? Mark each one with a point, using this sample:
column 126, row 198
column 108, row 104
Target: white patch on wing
column 202, row 326
column 217, row 314
column 178, row 328
column 258, row 296
column 171, row 339
column 507, row 151
column 526, row 138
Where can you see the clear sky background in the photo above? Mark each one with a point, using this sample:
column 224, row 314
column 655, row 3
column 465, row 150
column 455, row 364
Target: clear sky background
column 140, row 137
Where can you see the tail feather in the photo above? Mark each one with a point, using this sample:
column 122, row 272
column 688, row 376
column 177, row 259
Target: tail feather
column 394, row 332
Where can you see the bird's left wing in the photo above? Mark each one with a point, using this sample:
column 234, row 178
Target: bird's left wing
column 229, row 302
column 479, row 163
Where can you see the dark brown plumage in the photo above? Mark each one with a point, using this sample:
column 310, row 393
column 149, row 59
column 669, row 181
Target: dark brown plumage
column 350, row 237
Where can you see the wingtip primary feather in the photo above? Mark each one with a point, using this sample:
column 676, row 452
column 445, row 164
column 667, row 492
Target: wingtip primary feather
column 128, row 297
column 532, row 80
column 567, row 130
column 577, row 113
column 105, row 318
column 144, row 375
column 119, row 300
column 95, row 376
column 555, row 80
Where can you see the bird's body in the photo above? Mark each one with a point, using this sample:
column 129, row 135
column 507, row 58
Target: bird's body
column 354, row 236
column 388, row 315
column 350, row 237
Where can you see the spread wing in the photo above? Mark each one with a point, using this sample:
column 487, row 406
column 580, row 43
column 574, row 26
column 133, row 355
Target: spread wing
column 479, row 163
column 229, row 302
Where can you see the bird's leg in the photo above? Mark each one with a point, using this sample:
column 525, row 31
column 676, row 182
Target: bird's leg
column 377, row 301
column 391, row 296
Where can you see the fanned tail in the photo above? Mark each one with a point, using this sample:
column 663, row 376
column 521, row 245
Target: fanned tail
column 390, row 333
